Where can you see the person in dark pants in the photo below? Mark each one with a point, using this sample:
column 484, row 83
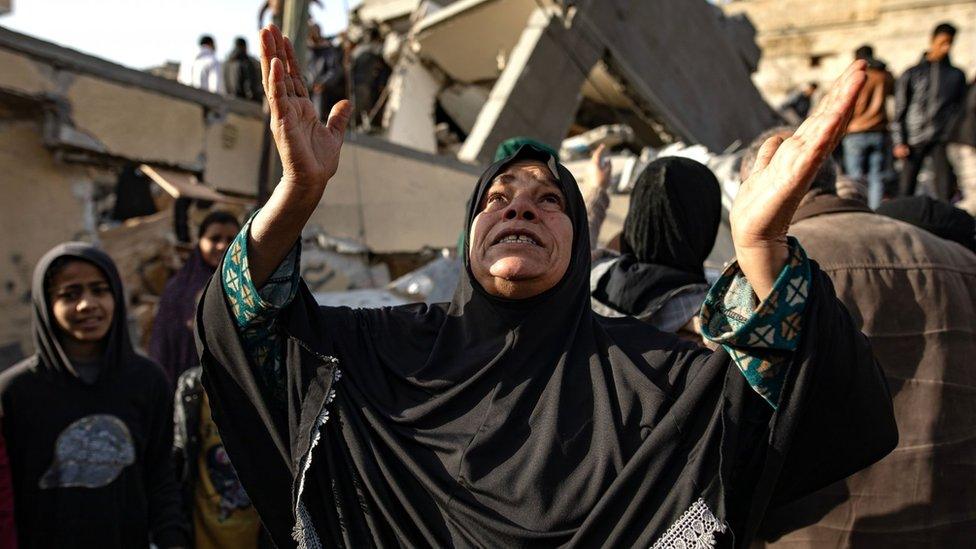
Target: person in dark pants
column 867, row 152
column 242, row 73
column 927, row 99
column 326, row 72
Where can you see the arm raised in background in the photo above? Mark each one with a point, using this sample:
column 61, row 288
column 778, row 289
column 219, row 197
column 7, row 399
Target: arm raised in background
column 309, row 152
column 784, row 169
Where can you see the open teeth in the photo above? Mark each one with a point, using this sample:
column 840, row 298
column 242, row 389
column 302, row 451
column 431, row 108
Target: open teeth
column 519, row 239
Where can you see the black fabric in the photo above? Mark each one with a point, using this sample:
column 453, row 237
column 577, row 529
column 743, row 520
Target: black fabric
column 326, row 70
column 942, row 175
column 42, row 399
column 670, row 228
column 935, row 216
column 964, row 130
column 486, row 422
column 242, row 76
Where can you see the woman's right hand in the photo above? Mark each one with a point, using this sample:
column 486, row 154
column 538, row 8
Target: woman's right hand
column 309, row 149
column 309, row 152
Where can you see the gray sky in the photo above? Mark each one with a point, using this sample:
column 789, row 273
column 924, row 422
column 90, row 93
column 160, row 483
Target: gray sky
column 145, row 33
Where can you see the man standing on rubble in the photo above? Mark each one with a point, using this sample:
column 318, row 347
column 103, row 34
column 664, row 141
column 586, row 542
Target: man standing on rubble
column 927, row 99
column 203, row 71
column 242, row 73
column 369, row 73
column 867, row 152
column 326, row 71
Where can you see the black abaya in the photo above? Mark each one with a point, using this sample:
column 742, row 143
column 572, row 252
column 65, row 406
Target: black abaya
column 487, row 422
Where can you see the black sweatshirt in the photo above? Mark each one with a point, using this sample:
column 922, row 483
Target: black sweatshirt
column 90, row 462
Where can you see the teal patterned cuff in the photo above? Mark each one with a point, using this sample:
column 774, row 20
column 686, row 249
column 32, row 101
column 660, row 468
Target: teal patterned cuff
column 249, row 304
column 760, row 339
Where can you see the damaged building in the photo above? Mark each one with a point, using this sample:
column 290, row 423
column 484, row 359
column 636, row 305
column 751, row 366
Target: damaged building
column 95, row 151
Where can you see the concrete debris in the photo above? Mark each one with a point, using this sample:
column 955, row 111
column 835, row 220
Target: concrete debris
column 546, row 70
column 581, row 146
column 432, row 283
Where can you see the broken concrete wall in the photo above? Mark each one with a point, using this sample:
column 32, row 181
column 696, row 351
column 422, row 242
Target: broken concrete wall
column 409, row 115
column 676, row 57
column 135, row 123
column 538, row 93
column 233, row 159
column 44, row 203
column 395, row 199
column 122, row 113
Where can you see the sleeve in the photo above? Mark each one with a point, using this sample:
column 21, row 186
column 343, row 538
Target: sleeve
column 159, row 347
column 903, row 97
column 166, row 521
column 760, row 338
column 256, row 311
column 8, row 528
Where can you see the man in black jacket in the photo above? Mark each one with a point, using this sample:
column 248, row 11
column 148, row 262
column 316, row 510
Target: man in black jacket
column 927, row 98
column 326, row 71
column 242, row 73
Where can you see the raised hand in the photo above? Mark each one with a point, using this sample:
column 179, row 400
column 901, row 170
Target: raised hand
column 309, row 150
column 309, row 153
column 784, row 169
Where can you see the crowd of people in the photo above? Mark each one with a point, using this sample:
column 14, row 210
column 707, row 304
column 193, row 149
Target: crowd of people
column 337, row 68
column 933, row 121
column 570, row 394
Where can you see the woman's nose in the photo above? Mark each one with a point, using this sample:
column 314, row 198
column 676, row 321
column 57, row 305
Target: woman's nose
column 520, row 209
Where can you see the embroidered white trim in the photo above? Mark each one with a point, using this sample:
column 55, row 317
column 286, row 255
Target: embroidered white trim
column 304, row 532
column 695, row 529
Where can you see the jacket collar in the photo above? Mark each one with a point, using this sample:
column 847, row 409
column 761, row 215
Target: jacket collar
column 825, row 203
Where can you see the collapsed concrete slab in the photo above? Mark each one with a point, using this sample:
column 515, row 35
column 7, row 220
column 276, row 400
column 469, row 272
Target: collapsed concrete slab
column 674, row 70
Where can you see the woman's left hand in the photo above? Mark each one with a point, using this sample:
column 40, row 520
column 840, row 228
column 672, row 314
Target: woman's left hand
column 784, row 169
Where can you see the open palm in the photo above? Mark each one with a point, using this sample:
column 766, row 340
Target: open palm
column 308, row 148
column 784, row 169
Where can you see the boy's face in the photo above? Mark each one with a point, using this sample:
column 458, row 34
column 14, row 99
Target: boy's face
column 82, row 302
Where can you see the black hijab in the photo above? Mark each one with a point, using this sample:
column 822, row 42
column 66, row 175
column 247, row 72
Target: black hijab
column 51, row 355
column 670, row 228
column 493, row 422
column 935, row 216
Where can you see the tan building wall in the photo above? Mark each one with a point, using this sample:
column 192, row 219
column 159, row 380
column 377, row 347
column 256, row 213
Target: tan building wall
column 814, row 41
column 43, row 204
column 68, row 122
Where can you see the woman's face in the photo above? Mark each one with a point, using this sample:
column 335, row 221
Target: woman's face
column 215, row 241
column 522, row 240
column 82, row 302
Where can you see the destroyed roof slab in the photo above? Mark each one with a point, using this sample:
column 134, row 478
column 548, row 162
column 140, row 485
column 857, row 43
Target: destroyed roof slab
column 466, row 38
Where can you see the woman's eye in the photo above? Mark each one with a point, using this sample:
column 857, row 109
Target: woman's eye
column 552, row 199
column 495, row 198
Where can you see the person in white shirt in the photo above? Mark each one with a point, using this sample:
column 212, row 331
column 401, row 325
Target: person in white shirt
column 203, row 71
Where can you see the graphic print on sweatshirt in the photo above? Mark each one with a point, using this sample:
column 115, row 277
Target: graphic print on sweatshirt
column 90, row 453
